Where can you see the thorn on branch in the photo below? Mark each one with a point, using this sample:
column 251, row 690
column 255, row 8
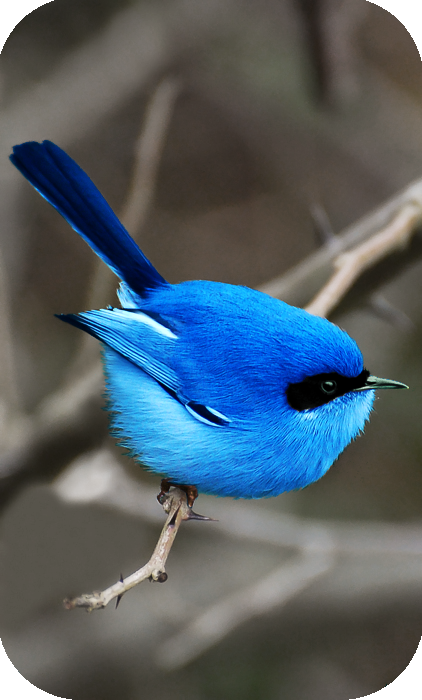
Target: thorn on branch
column 383, row 309
column 322, row 225
column 119, row 597
column 175, row 503
column 349, row 265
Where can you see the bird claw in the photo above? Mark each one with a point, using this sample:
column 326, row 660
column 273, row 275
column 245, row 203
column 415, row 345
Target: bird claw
column 191, row 496
column 190, row 491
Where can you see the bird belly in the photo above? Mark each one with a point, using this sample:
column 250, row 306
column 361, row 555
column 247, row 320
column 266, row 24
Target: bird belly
column 248, row 462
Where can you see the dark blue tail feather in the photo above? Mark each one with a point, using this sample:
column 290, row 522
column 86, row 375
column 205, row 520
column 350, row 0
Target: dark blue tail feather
column 65, row 185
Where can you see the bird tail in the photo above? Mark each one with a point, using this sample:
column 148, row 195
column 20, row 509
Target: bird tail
column 65, row 185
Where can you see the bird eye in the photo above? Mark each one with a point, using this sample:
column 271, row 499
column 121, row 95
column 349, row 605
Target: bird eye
column 329, row 387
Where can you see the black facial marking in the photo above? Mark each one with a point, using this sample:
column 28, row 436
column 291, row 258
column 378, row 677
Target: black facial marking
column 321, row 388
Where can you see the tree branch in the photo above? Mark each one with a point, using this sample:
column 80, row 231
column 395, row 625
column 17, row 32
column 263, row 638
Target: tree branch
column 97, row 478
column 216, row 622
column 303, row 281
column 175, row 504
column 351, row 264
column 147, row 150
column 321, row 546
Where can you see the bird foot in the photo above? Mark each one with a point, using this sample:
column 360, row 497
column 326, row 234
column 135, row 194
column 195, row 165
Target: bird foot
column 191, row 496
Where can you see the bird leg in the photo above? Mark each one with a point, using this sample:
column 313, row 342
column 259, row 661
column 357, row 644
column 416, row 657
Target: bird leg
column 190, row 491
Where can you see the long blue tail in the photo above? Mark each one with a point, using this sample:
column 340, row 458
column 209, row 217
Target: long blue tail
column 65, row 185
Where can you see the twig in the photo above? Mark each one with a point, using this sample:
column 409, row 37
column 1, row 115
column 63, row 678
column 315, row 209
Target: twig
column 271, row 591
column 176, row 506
column 396, row 550
column 351, row 264
column 98, row 478
column 322, row 224
column 303, row 281
column 65, row 424
column 148, row 150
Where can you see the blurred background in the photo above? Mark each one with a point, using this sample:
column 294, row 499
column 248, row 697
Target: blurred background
column 258, row 127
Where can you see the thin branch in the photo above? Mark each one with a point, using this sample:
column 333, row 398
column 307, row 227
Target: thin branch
column 148, row 150
column 351, row 264
column 322, row 225
column 270, row 592
column 98, row 478
column 303, row 281
column 382, row 308
column 321, row 547
column 175, row 504
column 147, row 154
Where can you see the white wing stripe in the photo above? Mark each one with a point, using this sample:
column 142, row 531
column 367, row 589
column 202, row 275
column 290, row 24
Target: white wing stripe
column 147, row 320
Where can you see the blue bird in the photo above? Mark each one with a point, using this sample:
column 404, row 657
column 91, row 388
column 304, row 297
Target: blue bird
column 218, row 387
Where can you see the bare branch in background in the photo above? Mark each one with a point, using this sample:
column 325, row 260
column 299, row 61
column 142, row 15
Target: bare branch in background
column 381, row 307
column 271, row 591
column 148, row 151
column 9, row 400
column 351, row 264
column 330, row 28
column 304, row 281
column 147, row 155
column 322, row 225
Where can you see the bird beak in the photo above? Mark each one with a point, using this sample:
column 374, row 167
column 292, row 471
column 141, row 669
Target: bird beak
column 378, row 383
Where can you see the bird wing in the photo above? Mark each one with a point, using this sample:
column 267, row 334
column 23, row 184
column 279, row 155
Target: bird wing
column 139, row 337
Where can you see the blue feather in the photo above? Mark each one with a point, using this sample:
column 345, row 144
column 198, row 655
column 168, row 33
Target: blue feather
column 65, row 185
column 209, row 384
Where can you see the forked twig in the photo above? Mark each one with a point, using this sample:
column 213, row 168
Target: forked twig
column 175, row 504
column 352, row 263
column 218, row 620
